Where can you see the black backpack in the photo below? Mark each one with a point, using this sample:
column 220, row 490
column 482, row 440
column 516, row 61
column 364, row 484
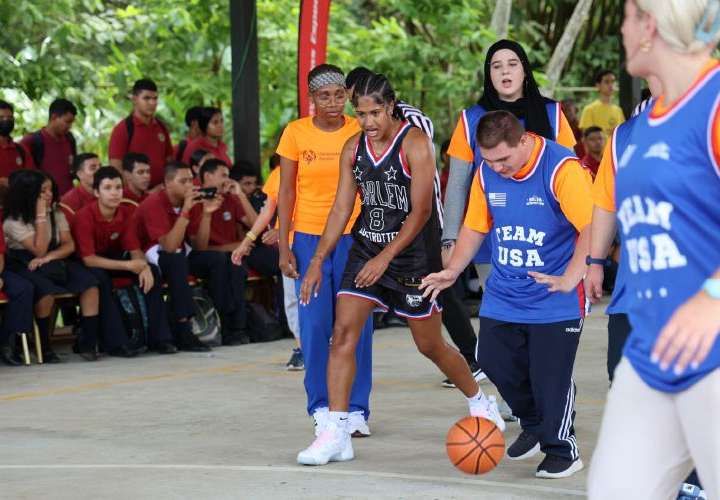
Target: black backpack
column 37, row 147
column 206, row 322
column 133, row 309
column 261, row 325
column 130, row 126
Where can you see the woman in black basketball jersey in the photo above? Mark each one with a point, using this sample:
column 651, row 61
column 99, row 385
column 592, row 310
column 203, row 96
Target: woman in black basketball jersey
column 396, row 242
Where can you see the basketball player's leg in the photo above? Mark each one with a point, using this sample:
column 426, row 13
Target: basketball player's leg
column 641, row 454
column 699, row 411
column 351, row 315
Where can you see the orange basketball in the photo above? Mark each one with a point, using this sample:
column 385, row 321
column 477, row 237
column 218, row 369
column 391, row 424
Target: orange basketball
column 475, row 445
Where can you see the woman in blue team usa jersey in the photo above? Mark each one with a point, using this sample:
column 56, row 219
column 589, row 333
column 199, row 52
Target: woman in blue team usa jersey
column 396, row 241
column 663, row 411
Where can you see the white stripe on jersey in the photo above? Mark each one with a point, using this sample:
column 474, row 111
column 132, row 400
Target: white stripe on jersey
column 641, row 107
column 416, row 118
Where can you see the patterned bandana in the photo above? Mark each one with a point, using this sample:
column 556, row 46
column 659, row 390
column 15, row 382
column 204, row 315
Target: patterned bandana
column 323, row 79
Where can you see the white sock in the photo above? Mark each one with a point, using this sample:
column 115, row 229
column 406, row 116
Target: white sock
column 477, row 397
column 339, row 418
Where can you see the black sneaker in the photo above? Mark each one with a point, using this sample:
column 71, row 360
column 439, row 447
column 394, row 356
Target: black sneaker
column 525, row 446
column 296, row 362
column 553, row 467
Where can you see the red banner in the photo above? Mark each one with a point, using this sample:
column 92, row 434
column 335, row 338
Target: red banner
column 312, row 46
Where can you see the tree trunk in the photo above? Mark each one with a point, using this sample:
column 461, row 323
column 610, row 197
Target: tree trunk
column 566, row 43
column 501, row 18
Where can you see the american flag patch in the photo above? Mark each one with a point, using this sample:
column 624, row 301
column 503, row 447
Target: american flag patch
column 498, row 199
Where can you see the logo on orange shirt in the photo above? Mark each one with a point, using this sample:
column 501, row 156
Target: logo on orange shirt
column 309, row 156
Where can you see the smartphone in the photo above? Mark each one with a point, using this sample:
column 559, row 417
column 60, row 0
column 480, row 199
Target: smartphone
column 207, row 193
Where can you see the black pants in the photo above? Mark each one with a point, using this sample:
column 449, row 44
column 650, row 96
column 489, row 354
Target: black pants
column 112, row 329
column 532, row 365
column 264, row 259
column 175, row 270
column 17, row 314
column 457, row 322
column 226, row 285
column 618, row 332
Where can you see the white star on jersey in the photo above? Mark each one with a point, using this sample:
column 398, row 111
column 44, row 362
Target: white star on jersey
column 391, row 173
column 358, row 172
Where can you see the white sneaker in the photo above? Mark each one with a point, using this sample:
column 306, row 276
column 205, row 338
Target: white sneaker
column 320, row 419
column 332, row 445
column 357, row 425
column 486, row 407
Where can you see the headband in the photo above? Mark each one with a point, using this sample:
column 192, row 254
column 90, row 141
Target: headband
column 330, row 78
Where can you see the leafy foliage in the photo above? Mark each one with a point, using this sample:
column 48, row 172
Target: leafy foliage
column 91, row 51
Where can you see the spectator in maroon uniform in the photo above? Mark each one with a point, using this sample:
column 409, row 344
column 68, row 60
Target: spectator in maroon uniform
column 192, row 119
column 594, row 141
column 53, row 147
column 142, row 132
column 107, row 243
column 84, row 168
column 136, row 177
column 212, row 128
column 13, row 156
column 571, row 113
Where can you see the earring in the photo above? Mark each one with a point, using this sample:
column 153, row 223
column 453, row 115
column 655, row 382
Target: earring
column 645, row 46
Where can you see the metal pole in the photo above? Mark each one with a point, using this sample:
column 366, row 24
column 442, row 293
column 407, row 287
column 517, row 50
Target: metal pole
column 245, row 81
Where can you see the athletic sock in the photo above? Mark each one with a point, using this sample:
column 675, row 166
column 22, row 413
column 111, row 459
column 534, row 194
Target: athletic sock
column 339, row 418
column 480, row 396
column 43, row 325
column 90, row 326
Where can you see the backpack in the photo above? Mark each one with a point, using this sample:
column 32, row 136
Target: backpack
column 206, row 322
column 261, row 325
column 182, row 146
column 133, row 310
column 130, row 126
column 37, row 147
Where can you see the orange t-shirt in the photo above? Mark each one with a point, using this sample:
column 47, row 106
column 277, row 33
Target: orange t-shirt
column 572, row 188
column 460, row 148
column 318, row 156
column 603, row 189
column 271, row 188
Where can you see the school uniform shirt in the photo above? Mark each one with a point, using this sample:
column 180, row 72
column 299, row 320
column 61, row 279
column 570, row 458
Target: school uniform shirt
column 151, row 139
column 219, row 151
column 77, row 198
column 57, row 158
column 129, row 195
column 589, row 162
column 318, row 155
column 534, row 220
column 155, row 217
column 599, row 114
column 96, row 235
column 667, row 186
column 12, row 159
column 17, row 231
column 223, row 222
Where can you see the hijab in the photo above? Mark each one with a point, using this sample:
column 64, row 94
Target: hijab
column 531, row 107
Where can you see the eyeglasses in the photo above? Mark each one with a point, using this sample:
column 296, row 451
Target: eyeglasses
column 325, row 99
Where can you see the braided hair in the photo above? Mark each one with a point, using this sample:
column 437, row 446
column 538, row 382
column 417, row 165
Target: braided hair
column 379, row 88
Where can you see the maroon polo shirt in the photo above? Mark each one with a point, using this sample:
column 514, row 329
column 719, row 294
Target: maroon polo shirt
column 11, row 159
column 219, row 151
column 591, row 164
column 223, row 222
column 77, row 198
column 155, row 218
column 57, row 158
column 129, row 195
column 151, row 139
column 95, row 235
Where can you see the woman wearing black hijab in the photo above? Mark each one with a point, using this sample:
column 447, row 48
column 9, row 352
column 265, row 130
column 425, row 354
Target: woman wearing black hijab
column 508, row 85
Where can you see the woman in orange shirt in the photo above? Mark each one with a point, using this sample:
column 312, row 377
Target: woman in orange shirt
column 309, row 152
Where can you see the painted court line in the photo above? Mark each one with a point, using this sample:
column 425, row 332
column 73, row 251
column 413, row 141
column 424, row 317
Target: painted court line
column 302, row 470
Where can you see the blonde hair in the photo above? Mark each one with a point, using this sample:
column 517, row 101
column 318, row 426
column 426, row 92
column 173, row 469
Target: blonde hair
column 678, row 22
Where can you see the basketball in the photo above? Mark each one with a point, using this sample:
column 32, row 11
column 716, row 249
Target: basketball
column 475, row 445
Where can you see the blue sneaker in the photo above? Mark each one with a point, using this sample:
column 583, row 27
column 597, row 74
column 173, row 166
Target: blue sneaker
column 296, row 362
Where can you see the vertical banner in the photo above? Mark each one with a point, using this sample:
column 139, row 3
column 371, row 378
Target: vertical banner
column 312, row 46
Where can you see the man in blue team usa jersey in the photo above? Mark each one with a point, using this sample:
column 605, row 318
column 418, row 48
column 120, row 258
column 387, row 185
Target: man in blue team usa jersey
column 532, row 197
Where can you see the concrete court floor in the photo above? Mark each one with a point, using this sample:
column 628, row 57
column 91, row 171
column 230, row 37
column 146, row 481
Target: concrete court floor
column 229, row 424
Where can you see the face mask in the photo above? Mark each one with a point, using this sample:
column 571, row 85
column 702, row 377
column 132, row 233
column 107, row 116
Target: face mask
column 6, row 127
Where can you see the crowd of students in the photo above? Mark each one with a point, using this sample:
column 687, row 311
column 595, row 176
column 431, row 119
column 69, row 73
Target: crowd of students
column 70, row 225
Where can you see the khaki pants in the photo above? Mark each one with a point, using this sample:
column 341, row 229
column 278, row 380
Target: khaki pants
column 650, row 440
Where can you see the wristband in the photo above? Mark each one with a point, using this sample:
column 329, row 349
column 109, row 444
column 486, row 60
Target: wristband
column 712, row 288
column 600, row 262
column 185, row 214
column 251, row 235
